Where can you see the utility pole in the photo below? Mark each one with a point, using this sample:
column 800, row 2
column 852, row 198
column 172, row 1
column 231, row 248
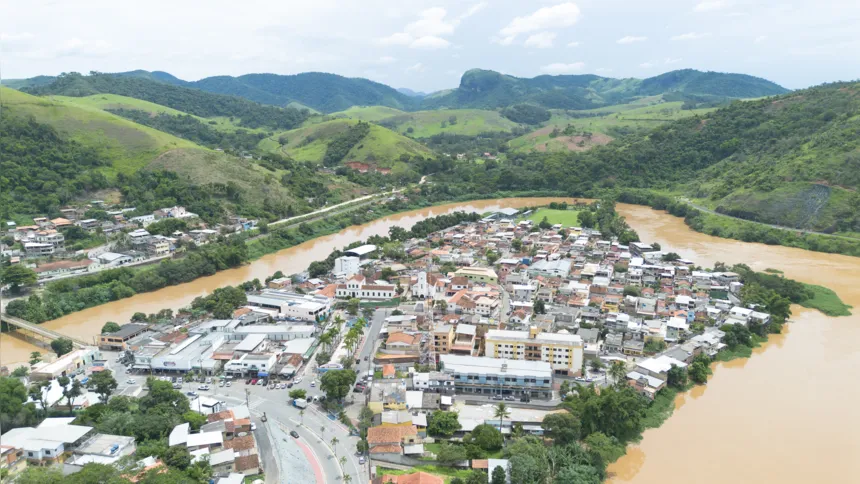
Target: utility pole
column 248, row 398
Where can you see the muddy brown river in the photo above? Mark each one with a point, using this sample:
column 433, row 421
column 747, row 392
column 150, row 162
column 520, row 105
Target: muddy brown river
column 787, row 415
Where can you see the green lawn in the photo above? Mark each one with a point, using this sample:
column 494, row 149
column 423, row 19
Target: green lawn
column 447, row 473
column 826, row 301
column 568, row 218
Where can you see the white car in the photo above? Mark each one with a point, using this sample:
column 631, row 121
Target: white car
column 131, row 381
column 314, row 383
column 297, row 381
column 203, row 387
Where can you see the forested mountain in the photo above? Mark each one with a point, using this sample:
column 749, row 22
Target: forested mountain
column 186, row 99
column 490, row 90
column 792, row 160
column 478, row 88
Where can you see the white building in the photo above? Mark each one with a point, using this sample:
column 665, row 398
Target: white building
column 346, row 266
column 422, row 288
column 303, row 307
column 357, row 287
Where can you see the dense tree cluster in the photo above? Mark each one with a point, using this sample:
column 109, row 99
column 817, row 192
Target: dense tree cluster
column 526, row 114
column 191, row 128
column 40, row 170
column 341, row 144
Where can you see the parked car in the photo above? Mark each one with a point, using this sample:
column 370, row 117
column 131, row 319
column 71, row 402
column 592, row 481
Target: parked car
column 203, row 387
column 229, row 384
column 290, row 385
column 253, row 426
column 294, row 434
column 261, row 382
column 221, row 383
column 248, row 381
column 191, row 394
column 297, row 380
column 362, row 460
column 314, row 383
column 525, row 398
column 208, row 380
column 498, row 397
column 510, row 398
column 254, row 381
column 177, row 386
column 131, row 381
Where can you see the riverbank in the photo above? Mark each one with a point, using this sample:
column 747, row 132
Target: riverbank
column 729, row 227
column 790, row 400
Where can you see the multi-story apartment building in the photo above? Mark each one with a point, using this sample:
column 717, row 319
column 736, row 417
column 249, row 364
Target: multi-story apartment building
column 443, row 338
column 563, row 351
column 496, row 376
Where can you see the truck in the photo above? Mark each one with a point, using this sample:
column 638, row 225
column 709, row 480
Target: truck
column 300, row 403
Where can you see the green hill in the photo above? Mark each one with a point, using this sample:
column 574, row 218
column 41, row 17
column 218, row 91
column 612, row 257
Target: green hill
column 192, row 101
column 87, row 149
column 380, row 146
column 490, row 90
column 423, row 124
column 582, row 130
column 792, row 160
column 324, row 92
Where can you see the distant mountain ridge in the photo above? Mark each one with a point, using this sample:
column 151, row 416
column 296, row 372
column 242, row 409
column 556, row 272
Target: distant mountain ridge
column 490, row 90
column 484, row 89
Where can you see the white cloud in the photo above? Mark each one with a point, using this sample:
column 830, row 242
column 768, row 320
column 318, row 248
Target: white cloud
column 429, row 42
column 503, row 40
column 561, row 68
column 17, row 37
column 84, row 48
column 760, row 39
column 431, row 23
column 670, row 60
column 630, row 39
column 573, row 44
column 554, row 17
column 691, row 36
column 710, row 5
column 472, row 10
column 646, row 65
column 386, row 59
column 416, row 68
column 428, row 31
column 400, row 38
column 540, row 40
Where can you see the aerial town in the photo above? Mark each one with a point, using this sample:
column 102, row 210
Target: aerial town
column 47, row 248
column 497, row 312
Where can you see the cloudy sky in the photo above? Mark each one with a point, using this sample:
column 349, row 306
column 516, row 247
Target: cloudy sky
column 427, row 44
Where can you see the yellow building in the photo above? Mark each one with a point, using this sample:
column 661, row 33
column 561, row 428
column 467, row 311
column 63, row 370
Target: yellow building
column 443, row 338
column 563, row 351
column 479, row 274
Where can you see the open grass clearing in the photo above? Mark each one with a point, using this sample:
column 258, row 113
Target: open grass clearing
column 568, row 218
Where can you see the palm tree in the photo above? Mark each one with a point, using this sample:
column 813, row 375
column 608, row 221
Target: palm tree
column 618, row 371
column 500, row 412
column 325, row 340
column 347, row 478
column 322, row 431
column 302, row 415
column 334, row 443
column 342, row 461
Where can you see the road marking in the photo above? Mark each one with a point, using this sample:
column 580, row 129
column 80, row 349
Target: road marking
column 319, row 472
